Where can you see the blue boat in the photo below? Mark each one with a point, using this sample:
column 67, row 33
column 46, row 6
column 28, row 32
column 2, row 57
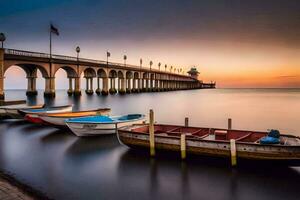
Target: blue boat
column 102, row 125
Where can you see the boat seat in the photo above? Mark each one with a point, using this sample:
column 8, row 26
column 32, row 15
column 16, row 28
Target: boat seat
column 220, row 134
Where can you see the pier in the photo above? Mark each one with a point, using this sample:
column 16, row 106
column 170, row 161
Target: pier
column 129, row 78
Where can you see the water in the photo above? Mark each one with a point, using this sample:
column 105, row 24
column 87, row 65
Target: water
column 66, row 167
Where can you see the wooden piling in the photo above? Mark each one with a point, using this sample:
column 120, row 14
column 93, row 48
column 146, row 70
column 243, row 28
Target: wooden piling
column 151, row 133
column 229, row 123
column 183, row 146
column 233, row 153
column 186, row 122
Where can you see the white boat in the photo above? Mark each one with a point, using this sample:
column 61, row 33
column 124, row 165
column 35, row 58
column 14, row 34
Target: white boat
column 12, row 111
column 58, row 119
column 102, row 125
column 33, row 115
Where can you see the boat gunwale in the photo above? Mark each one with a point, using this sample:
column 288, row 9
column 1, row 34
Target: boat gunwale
column 112, row 122
column 52, row 115
column 55, row 108
column 125, row 129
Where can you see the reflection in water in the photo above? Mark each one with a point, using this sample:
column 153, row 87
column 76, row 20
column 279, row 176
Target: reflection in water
column 67, row 167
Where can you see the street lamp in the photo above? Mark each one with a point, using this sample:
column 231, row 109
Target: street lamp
column 125, row 58
column 77, row 50
column 159, row 66
column 166, row 68
column 151, row 63
column 2, row 39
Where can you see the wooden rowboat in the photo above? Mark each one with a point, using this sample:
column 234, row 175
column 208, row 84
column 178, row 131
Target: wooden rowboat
column 212, row 142
column 12, row 111
column 101, row 125
column 32, row 115
column 58, row 119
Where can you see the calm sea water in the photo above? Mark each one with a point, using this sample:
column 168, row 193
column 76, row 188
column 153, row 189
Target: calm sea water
column 66, row 167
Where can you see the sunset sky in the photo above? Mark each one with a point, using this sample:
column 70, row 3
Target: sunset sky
column 249, row 44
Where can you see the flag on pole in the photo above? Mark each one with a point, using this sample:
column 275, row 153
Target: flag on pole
column 108, row 54
column 53, row 30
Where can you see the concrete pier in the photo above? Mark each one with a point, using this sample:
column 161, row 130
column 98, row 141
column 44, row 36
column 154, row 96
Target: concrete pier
column 131, row 79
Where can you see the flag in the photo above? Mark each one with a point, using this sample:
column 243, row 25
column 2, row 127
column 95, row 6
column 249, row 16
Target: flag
column 54, row 30
column 125, row 57
column 108, row 54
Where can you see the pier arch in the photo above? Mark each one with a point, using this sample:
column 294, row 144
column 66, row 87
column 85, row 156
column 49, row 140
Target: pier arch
column 89, row 74
column 63, row 72
column 102, row 82
column 32, row 72
column 129, row 80
column 112, row 76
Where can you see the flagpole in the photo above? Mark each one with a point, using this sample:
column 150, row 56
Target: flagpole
column 50, row 44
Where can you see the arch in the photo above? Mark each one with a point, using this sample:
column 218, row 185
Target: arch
column 101, row 73
column 129, row 75
column 120, row 74
column 112, row 74
column 152, row 76
column 136, row 75
column 71, row 72
column 89, row 72
column 30, row 69
column 145, row 75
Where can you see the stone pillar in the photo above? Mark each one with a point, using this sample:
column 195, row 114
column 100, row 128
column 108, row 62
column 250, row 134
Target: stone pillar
column 104, row 90
column 134, row 89
column 77, row 91
column 147, row 85
column 1, row 74
column 31, row 86
column 98, row 91
column 49, row 87
column 156, row 89
column 122, row 83
column 70, row 90
column 89, row 85
column 112, row 89
column 128, row 89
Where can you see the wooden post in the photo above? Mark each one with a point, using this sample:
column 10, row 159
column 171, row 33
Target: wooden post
column 229, row 123
column 233, row 152
column 151, row 132
column 186, row 122
column 183, row 146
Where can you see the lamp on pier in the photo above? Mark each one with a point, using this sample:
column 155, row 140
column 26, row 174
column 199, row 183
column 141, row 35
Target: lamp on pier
column 159, row 66
column 2, row 39
column 166, row 68
column 125, row 58
column 151, row 63
column 78, row 51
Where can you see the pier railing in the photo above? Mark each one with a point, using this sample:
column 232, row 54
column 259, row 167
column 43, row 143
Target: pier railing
column 70, row 58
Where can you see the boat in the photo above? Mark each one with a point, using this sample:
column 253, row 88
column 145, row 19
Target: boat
column 213, row 142
column 32, row 115
column 101, row 125
column 12, row 111
column 58, row 119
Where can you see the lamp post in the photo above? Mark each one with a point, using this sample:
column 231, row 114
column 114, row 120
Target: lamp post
column 159, row 66
column 125, row 58
column 151, row 63
column 2, row 39
column 78, row 51
column 166, row 68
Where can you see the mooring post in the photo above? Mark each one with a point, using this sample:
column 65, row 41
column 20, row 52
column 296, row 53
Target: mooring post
column 233, row 152
column 229, row 123
column 186, row 122
column 183, row 146
column 151, row 132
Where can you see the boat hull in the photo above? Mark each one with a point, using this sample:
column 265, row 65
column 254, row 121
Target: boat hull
column 12, row 112
column 252, row 151
column 59, row 121
column 93, row 129
column 35, row 117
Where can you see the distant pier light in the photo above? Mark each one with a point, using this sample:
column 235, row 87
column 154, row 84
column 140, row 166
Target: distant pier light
column 125, row 58
column 166, row 67
column 2, row 39
column 194, row 73
column 159, row 66
column 151, row 63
